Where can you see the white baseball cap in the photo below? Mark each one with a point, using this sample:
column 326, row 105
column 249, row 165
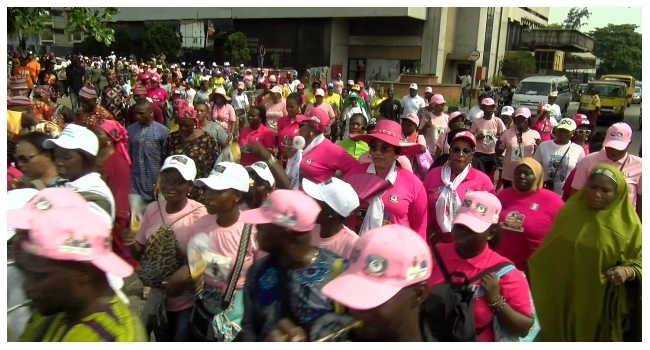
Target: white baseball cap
column 553, row 94
column 75, row 137
column 226, row 175
column 263, row 171
column 413, row 86
column 184, row 164
column 336, row 193
column 507, row 110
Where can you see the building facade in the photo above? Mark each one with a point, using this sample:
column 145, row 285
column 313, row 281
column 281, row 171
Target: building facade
column 54, row 38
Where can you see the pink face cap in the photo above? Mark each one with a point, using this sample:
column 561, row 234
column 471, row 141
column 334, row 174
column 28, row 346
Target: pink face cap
column 383, row 261
column 487, row 102
column 581, row 119
column 428, row 89
column 293, row 210
column 437, row 99
column 522, row 112
column 412, row 117
column 478, row 211
column 618, row 136
column 317, row 117
column 455, row 115
column 320, row 92
column 467, row 135
column 86, row 238
column 240, row 85
column 276, row 90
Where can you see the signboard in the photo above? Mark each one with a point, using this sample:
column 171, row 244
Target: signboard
column 474, row 55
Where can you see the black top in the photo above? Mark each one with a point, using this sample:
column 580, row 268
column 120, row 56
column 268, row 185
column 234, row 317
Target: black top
column 391, row 109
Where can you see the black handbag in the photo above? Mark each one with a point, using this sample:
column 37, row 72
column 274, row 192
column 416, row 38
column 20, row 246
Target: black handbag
column 550, row 183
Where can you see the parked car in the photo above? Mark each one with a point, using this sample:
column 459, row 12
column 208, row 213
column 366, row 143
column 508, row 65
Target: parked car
column 636, row 96
column 577, row 92
column 535, row 90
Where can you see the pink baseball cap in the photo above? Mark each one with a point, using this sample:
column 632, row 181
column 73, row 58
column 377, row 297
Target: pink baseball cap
column 317, row 117
column 428, row 89
column 86, row 238
column 478, row 212
column 437, row 99
column 180, row 103
column 320, row 92
column 276, row 90
column 468, row 135
column 456, row 114
column 581, row 119
column 487, row 102
column 522, row 112
column 240, row 85
column 383, row 261
column 618, row 136
column 155, row 78
column 293, row 210
column 300, row 87
column 412, row 117
column 360, row 84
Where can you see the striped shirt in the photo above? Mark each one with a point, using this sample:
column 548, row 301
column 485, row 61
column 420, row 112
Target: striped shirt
column 146, row 148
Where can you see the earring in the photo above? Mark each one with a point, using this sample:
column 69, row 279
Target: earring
column 311, row 134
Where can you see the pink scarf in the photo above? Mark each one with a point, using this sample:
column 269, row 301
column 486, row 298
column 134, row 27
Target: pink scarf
column 119, row 135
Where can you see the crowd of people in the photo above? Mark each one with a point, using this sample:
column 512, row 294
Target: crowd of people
column 339, row 214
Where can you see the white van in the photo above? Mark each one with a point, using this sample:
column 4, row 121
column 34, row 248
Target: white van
column 535, row 90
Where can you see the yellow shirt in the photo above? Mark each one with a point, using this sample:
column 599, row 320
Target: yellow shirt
column 311, row 99
column 334, row 101
column 220, row 82
column 375, row 104
column 353, row 148
column 172, row 126
column 285, row 91
column 595, row 103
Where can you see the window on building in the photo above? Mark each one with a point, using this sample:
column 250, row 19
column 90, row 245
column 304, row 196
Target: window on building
column 56, row 13
column 75, row 37
column 544, row 60
column 58, row 31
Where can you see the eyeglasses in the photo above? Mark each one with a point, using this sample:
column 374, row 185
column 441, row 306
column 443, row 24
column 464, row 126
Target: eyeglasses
column 583, row 132
column 25, row 159
column 383, row 149
column 458, row 150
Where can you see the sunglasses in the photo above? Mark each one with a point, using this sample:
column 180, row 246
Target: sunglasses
column 583, row 132
column 383, row 149
column 458, row 150
column 25, row 159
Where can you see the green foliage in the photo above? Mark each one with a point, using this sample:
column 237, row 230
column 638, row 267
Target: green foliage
column 162, row 40
column 275, row 60
column 619, row 48
column 84, row 20
column 555, row 26
column 518, row 64
column 576, row 18
column 236, row 49
column 121, row 46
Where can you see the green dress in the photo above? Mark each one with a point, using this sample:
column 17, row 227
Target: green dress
column 574, row 301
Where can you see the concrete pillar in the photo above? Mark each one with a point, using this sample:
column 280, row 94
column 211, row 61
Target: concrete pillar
column 433, row 42
column 340, row 42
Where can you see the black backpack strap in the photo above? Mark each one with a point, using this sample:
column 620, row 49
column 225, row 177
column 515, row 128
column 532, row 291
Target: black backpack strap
column 448, row 276
column 492, row 269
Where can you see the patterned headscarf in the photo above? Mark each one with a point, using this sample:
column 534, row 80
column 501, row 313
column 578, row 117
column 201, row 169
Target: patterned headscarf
column 120, row 137
column 190, row 113
column 43, row 90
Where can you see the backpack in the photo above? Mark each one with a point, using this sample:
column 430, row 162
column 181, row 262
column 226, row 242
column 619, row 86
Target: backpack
column 449, row 309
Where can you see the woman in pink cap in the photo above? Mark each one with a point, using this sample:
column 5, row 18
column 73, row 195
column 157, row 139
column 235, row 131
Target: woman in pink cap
column 319, row 159
column 288, row 126
column 502, row 293
column 518, row 143
column 542, row 122
column 456, row 122
column 448, row 185
column 434, row 120
column 583, row 130
column 405, row 203
column 276, row 108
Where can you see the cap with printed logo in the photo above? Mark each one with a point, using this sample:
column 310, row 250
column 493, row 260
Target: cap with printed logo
column 507, row 110
column 336, row 193
column 465, row 134
column 383, row 261
column 428, row 89
column 317, row 117
column 184, row 164
column 567, row 124
column 618, row 136
column 478, row 211
column 293, row 210
column 263, row 171
column 522, row 112
column 226, row 175
column 413, row 86
column 75, row 137
column 581, row 119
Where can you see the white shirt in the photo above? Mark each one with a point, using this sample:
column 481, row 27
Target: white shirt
column 240, row 101
column 190, row 92
column 549, row 154
column 474, row 113
column 465, row 81
column 412, row 104
column 556, row 113
column 371, row 93
column 93, row 183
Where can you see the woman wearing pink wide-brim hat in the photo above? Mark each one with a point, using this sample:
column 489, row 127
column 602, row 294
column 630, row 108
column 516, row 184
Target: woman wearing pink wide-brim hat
column 405, row 202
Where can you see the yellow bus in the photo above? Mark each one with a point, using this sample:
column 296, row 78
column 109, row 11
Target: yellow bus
column 627, row 79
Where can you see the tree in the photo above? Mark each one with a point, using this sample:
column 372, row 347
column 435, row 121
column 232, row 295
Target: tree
column 162, row 39
column 121, row 46
column 84, row 20
column 555, row 26
column 619, row 48
column 276, row 59
column 236, row 49
column 518, row 64
column 576, row 18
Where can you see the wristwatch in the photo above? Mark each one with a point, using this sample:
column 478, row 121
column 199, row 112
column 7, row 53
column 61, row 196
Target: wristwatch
column 270, row 160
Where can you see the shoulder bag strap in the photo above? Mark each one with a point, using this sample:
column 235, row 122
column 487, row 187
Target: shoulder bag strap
column 239, row 263
column 443, row 268
column 624, row 163
column 560, row 162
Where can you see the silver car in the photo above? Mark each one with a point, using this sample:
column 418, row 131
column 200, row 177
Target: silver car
column 636, row 97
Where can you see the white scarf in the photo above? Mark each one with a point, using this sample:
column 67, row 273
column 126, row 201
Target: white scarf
column 375, row 215
column 449, row 201
column 293, row 167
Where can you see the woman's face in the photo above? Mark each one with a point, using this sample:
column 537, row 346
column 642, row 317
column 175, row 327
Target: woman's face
column 211, row 82
column 383, row 155
column 382, row 92
column 254, row 119
column 468, row 240
column 582, row 133
column 307, row 131
column 204, row 85
column 345, row 93
column 521, row 123
column 30, row 161
column 173, row 186
column 260, row 190
column 220, row 99
column 69, row 163
column 356, row 125
column 102, row 136
column 354, row 102
column 461, row 153
column 276, row 97
column 186, row 126
column 524, row 178
column 439, row 108
column 220, row 201
column 600, row 191
column 293, row 108
column 201, row 112
column 563, row 135
column 408, row 127
column 457, row 123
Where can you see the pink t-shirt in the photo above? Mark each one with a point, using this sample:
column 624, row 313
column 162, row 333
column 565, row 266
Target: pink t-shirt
column 514, row 286
column 324, row 106
column 630, row 166
column 405, row 203
column 225, row 116
column 275, row 111
column 341, row 243
column 403, row 161
column 158, row 96
column 525, row 219
column 286, row 132
column 249, row 136
column 474, row 181
column 338, row 86
column 492, row 129
column 431, row 135
column 514, row 150
column 183, row 229
column 322, row 162
column 441, row 143
column 545, row 128
column 224, row 244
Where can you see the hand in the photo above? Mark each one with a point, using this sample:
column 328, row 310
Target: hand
column 128, row 236
column 287, row 331
column 617, row 275
column 19, row 183
column 288, row 152
column 259, row 151
column 178, row 282
column 538, row 141
column 480, row 136
column 490, row 284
